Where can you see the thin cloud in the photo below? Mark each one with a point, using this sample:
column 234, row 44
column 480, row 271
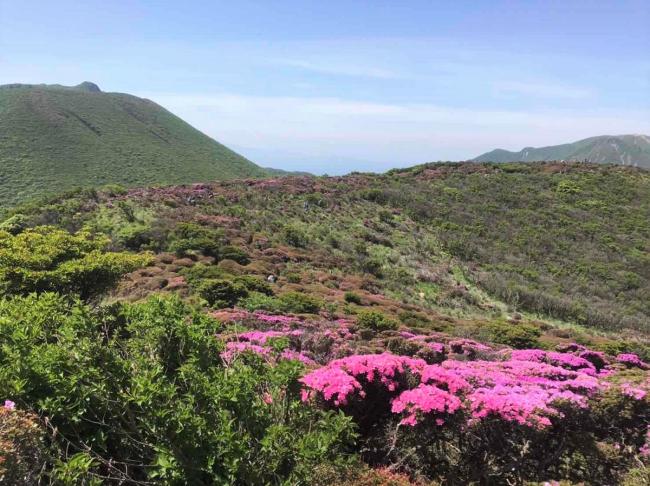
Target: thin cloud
column 341, row 69
column 543, row 90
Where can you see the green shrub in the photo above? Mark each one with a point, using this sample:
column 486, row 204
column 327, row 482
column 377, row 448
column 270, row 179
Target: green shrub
column 254, row 284
column 143, row 387
column 375, row 321
column 188, row 237
column 221, row 293
column 199, row 272
column 517, row 335
column 45, row 259
column 15, row 224
column 258, row 301
column 352, row 298
column 300, row 303
column 295, row 236
column 233, row 253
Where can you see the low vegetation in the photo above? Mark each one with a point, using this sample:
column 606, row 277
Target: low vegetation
column 429, row 326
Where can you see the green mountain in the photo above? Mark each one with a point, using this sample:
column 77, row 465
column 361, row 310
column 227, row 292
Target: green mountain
column 54, row 138
column 606, row 149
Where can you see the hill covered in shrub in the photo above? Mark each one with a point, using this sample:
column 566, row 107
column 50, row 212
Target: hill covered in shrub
column 445, row 324
column 54, row 138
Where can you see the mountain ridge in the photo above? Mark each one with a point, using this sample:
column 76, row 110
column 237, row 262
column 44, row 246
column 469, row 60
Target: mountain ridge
column 54, row 138
column 632, row 149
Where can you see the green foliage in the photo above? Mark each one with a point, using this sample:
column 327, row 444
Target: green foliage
column 375, row 321
column 188, row 237
column 352, row 298
column 254, row 284
column 290, row 302
column 300, row 303
column 143, row 387
column 49, row 259
column 222, row 293
column 55, row 138
column 516, row 334
column 233, row 253
column 295, row 235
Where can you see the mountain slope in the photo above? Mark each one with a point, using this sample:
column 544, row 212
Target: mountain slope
column 53, row 138
column 620, row 149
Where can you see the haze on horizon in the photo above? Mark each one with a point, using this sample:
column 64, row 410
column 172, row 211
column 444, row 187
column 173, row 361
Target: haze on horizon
column 331, row 87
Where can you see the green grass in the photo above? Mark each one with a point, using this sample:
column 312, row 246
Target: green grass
column 53, row 139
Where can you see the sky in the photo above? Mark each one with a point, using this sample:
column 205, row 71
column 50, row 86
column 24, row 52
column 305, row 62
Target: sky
column 335, row 86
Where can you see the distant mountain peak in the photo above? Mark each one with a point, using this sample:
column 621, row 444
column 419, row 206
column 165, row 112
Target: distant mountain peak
column 604, row 149
column 89, row 86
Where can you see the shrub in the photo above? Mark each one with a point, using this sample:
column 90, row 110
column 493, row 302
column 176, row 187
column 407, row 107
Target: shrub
column 192, row 237
column 516, row 335
column 258, row 301
column 254, row 284
column 15, row 224
column 235, row 254
column 143, row 386
column 352, row 298
column 295, row 236
column 22, row 447
column 47, row 259
column 375, row 321
column 222, row 293
column 300, row 303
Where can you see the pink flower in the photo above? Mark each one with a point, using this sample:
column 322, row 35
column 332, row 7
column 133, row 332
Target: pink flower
column 9, row 405
column 267, row 398
column 631, row 360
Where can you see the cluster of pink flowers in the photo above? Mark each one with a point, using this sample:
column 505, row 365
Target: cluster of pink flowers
column 633, row 392
column 467, row 347
column 9, row 405
column 525, row 392
column 631, row 360
column 563, row 360
column 342, row 378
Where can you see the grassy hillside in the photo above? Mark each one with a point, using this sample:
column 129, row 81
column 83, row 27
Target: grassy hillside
column 567, row 241
column 444, row 324
column 620, row 149
column 54, row 138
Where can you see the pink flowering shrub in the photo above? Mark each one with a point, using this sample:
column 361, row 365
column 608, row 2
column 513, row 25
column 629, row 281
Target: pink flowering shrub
column 631, row 360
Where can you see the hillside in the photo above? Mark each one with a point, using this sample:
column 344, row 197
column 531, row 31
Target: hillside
column 54, row 138
column 442, row 324
column 631, row 150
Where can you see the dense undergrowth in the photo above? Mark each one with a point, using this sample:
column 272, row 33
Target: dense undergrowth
column 442, row 325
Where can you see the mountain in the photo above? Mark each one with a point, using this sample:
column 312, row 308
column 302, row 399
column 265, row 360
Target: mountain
column 54, row 138
column 615, row 149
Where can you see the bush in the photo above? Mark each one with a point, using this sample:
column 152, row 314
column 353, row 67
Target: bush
column 254, row 284
column 352, row 298
column 46, row 259
column 295, row 236
column 516, row 335
column 375, row 321
column 188, row 237
column 221, row 293
column 300, row 303
column 22, row 447
column 143, row 387
column 233, row 253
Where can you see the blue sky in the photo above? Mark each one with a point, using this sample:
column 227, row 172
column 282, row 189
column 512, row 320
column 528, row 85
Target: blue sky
column 334, row 86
